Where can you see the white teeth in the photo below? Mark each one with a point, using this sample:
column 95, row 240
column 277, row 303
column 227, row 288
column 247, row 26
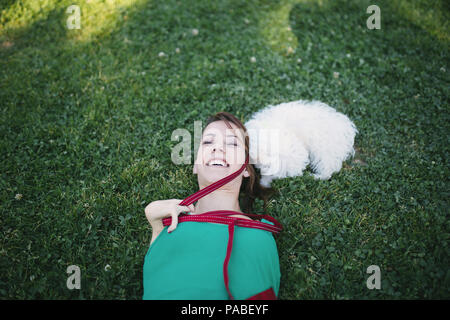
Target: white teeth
column 217, row 162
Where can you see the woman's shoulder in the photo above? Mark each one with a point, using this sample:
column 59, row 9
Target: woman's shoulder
column 248, row 218
column 241, row 216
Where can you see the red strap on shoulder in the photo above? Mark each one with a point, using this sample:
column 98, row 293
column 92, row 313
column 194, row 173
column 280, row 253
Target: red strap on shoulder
column 222, row 216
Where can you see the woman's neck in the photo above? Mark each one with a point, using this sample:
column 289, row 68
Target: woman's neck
column 218, row 200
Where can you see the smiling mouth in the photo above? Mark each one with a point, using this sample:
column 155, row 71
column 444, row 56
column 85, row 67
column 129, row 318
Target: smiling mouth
column 216, row 163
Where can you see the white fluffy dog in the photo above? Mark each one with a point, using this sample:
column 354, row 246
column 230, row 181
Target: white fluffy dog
column 287, row 137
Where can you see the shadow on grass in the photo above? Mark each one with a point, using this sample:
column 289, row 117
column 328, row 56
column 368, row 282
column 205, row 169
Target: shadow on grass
column 5, row 4
column 91, row 123
column 387, row 64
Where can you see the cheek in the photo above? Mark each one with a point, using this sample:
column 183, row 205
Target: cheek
column 236, row 155
column 200, row 155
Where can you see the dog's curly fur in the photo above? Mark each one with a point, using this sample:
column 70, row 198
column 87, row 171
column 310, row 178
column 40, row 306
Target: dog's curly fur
column 287, row 137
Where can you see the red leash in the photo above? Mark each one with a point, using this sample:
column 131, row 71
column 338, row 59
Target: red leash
column 222, row 216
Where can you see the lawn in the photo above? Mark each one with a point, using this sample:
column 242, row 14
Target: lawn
column 87, row 117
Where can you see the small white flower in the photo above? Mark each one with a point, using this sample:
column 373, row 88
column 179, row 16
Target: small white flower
column 161, row 54
column 290, row 50
column 289, row 29
column 143, row 73
column 86, row 205
column 18, row 196
column 177, row 50
column 299, row 60
column 348, row 55
column 195, row 32
column 246, row 21
column 442, row 69
column 252, row 59
column 32, row 277
column 107, row 267
column 336, row 75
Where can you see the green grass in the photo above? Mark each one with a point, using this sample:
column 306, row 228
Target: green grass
column 87, row 117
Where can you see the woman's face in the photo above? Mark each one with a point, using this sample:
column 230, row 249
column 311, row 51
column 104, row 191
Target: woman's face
column 221, row 152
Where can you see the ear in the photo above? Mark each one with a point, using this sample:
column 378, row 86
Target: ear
column 246, row 174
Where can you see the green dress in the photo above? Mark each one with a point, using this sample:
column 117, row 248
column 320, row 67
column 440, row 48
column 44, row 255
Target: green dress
column 187, row 264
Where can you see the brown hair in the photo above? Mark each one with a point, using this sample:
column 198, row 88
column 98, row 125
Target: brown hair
column 251, row 186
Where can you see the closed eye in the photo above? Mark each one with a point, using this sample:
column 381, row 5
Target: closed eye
column 209, row 142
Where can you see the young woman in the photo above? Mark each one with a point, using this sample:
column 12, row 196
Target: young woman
column 185, row 260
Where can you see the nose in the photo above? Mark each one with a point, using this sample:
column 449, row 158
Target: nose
column 215, row 149
column 218, row 147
